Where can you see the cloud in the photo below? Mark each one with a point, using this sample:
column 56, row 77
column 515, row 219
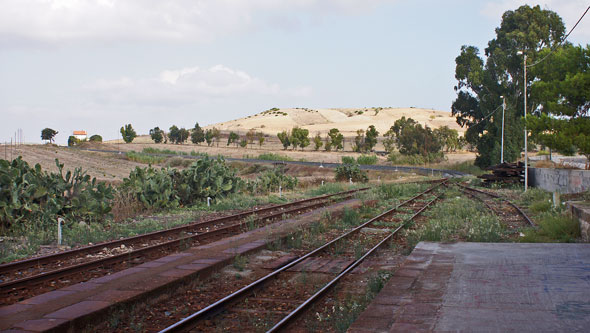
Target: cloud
column 187, row 86
column 569, row 10
column 52, row 21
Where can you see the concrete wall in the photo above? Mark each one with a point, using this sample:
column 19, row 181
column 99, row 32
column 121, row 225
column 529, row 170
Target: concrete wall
column 560, row 180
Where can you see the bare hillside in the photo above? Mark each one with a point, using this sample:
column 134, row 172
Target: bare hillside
column 348, row 121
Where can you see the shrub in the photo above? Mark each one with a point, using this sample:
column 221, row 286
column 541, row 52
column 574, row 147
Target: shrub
column 144, row 158
column 30, row 195
column 352, row 171
column 348, row 160
column 271, row 180
column 273, row 157
column 367, row 159
column 95, row 138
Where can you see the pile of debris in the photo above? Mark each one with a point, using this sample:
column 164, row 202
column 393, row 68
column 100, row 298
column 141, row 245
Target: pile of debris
column 506, row 173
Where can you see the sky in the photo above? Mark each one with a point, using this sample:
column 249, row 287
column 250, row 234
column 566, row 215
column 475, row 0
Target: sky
column 95, row 65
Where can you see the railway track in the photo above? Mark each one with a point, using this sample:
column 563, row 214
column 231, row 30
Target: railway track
column 281, row 295
column 28, row 278
column 510, row 213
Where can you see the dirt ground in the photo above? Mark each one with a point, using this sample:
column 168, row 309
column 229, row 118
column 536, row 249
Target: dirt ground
column 113, row 167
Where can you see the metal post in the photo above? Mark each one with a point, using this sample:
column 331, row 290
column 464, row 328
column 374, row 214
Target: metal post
column 280, row 191
column 59, row 222
column 526, row 155
column 208, row 201
column 503, row 111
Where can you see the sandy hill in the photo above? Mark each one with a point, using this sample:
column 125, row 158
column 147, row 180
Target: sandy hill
column 348, row 121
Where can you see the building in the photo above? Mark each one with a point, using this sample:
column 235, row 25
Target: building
column 80, row 135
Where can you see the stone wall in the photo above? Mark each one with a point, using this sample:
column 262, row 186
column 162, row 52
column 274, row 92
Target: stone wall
column 581, row 212
column 560, row 180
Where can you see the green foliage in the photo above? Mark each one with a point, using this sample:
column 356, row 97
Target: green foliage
column 393, row 191
column 260, row 136
column 178, row 135
column 233, row 138
column 367, row 159
column 128, row 133
column 448, row 138
column 273, row 157
column 168, row 188
column 284, row 138
column 48, row 134
column 466, row 167
column 157, row 134
column 553, row 227
column 72, row 141
column 150, row 150
column 243, row 143
column 480, row 85
column 144, row 158
column 336, row 140
column 95, row 138
column 299, row 138
column 317, row 142
column 348, row 160
column 352, row 171
column 30, row 195
column 416, row 159
column 197, row 134
column 270, row 180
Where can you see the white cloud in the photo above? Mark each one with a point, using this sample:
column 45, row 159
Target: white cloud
column 129, row 20
column 569, row 10
column 188, row 86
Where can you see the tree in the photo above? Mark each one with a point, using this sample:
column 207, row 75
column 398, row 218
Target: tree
column 209, row 137
column 359, row 141
column 95, row 138
column 336, row 139
column 184, row 134
column 174, row 134
column 449, row 138
column 128, row 133
column 250, row 136
column 233, row 138
column 197, row 134
column 317, row 141
column 243, row 143
column 413, row 139
column 481, row 83
column 371, row 138
column 157, row 134
column 299, row 137
column 261, row 138
column 216, row 134
column 562, row 120
column 72, row 141
column 327, row 143
column 48, row 134
column 389, row 140
column 284, row 138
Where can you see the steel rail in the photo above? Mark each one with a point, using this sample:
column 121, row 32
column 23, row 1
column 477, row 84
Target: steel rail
column 217, row 306
column 37, row 261
column 176, row 243
column 283, row 322
column 518, row 209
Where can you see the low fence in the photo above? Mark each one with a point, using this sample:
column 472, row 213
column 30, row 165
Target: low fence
column 560, row 180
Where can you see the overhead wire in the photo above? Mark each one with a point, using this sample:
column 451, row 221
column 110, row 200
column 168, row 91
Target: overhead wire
column 561, row 42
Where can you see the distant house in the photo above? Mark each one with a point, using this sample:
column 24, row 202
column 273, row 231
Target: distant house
column 80, row 135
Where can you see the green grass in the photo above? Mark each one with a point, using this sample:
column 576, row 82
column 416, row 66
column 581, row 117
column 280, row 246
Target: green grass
column 273, row 157
column 150, row 150
column 144, row 158
column 466, row 167
column 553, row 227
column 367, row 159
column 456, row 219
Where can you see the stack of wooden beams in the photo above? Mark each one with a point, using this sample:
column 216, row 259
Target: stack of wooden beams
column 505, row 172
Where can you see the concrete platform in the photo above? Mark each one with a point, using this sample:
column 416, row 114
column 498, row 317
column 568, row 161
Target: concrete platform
column 485, row 287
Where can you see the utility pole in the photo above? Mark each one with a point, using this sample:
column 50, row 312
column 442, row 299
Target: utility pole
column 503, row 110
column 526, row 154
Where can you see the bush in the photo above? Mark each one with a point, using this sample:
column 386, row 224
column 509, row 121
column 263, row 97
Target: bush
column 352, row 171
column 169, row 188
column 367, row 159
column 271, row 180
column 466, row 167
column 144, row 158
column 32, row 196
column 95, row 138
column 273, row 157
column 348, row 160
column 416, row 159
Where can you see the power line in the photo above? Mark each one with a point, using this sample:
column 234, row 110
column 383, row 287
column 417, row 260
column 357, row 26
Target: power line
column 486, row 117
column 562, row 41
